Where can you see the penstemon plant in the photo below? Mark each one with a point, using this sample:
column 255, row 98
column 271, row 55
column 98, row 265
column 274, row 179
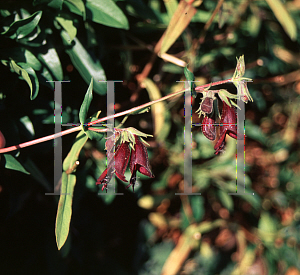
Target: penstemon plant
column 130, row 148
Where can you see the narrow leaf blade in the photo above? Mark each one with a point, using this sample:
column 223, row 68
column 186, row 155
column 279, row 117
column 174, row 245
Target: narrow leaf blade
column 284, row 18
column 180, row 20
column 86, row 103
column 23, row 27
column 64, row 211
column 12, row 163
column 85, row 64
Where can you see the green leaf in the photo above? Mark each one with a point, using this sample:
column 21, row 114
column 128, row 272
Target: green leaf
column 85, row 64
column 253, row 131
column 68, row 181
column 197, row 204
column 284, row 18
column 254, row 200
column 190, row 77
column 226, row 200
column 107, row 13
column 56, row 4
column 28, row 74
column 47, row 77
column 52, row 62
column 20, row 54
column 68, row 25
column 72, row 157
column 34, row 89
column 188, row 74
column 103, row 12
column 93, row 135
column 80, row 6
column 12, row 163
column 86, row 103
column 267, row 228
column 23, row 27
column 64, row 210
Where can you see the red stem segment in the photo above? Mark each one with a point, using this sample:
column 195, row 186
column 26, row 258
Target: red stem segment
column 78, row 128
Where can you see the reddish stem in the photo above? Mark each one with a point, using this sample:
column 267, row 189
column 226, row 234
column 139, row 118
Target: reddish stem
column 39, row 140
column 78, row 128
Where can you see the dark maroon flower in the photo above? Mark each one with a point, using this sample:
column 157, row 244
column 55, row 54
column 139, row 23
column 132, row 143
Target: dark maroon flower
column 139, row 162
column 207, row 105
column 227, row 126
column 121, row 161
column 208, row 128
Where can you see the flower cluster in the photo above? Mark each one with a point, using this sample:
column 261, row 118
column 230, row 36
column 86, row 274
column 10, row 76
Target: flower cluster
column 138, row 157
column 228, row 121
column 227, row 126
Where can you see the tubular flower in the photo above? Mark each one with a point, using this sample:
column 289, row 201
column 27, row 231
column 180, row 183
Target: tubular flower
column 121, row 161
column 208, row 128
column 139, row 162
column 227, row 126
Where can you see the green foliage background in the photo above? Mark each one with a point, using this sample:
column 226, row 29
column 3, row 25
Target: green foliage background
column 152, row 229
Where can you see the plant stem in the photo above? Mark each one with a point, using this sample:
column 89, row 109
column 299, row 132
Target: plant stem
column 78, row 128
column 39, row 140
column 199, row 88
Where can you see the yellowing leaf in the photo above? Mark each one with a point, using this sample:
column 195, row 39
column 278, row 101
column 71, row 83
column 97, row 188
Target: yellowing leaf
column 180, row 20
column 158, row 109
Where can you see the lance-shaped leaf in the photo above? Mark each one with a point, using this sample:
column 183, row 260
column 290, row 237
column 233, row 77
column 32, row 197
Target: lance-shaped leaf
column 68, row 25
column 27, row 73
column 86, row 65
column 190, row 77
column 180, row 20
column 284, row 18
column 102, row 12
column 64, row 210
column 12, row 163
column 159, row 111
column 79, row 4
column 86, row 103
column 52, row 62
column 23, row 27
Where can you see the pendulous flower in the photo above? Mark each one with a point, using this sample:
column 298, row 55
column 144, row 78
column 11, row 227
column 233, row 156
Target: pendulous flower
column 121, row 161
column 227, row 126
column 208, row 128
column 139, row 162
